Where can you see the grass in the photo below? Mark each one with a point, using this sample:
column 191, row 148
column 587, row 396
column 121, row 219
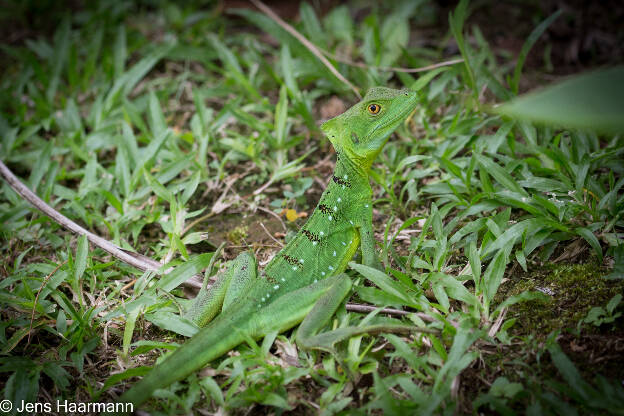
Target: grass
column 154, row 128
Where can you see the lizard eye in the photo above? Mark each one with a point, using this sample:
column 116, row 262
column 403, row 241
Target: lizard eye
column 374, row 108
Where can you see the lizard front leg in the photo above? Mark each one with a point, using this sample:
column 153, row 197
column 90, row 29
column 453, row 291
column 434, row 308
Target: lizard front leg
column 367, row 240
column 328, row 303
column 322, row 312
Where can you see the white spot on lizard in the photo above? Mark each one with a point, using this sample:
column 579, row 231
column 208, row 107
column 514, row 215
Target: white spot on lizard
column 331, row 268
column 339, row 200
column 314, row 243
column 321, row 233
column 334, row 253
column 330, row 217
column 323, row 273
column 301, row 261
column 276, row 287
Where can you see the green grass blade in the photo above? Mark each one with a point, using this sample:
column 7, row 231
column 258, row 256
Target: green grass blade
column 172, row 322
column 59, row 59
column 501, row 175
column 591, row 238
column 82, row 250
column 157, row 118
column 456, row 23
column 494, row 275
column 184, row 272
column 593, row 101
column 125, row 83
column 570, row 373
column 129, row 330
column 119, row 51
column 382, row 280
column 528, row 44
column 312, row 25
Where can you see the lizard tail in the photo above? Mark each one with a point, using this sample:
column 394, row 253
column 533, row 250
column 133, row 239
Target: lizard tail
column 208, row 344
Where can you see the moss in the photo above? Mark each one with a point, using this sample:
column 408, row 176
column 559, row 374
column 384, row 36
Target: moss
column 239, row 228
column 238, row 234
column 573, row 289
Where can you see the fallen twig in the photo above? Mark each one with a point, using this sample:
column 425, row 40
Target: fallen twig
column 392, row 68
column 137, row 260
column 311, row 47
column 42, row 206
column 357, row 307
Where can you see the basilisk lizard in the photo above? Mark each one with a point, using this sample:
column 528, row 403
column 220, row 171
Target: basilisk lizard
column 305, row 279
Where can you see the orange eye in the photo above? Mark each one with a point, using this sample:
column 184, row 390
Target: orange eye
column 374, row 108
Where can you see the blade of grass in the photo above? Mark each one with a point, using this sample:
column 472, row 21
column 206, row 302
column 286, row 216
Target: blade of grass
column 309, row 45
column 592, row 102
column 528, row 44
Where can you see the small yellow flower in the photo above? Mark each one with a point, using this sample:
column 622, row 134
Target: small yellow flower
column 291, row 215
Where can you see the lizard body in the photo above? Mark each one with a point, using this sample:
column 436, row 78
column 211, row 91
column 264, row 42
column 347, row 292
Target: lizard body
column 244, row 304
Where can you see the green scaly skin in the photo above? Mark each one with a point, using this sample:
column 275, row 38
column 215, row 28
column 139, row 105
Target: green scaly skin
column 243, row 304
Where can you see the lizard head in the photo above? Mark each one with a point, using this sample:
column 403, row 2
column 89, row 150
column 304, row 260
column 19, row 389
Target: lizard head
column 361, row 132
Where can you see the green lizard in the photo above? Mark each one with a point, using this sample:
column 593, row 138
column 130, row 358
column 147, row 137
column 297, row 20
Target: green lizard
column 305, row 279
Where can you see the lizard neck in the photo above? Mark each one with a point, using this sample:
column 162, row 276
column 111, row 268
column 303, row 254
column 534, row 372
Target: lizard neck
column 354, row 171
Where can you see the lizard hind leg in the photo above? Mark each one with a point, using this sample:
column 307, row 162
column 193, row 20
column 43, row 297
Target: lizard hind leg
column 244, row 275
column 228, row 286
